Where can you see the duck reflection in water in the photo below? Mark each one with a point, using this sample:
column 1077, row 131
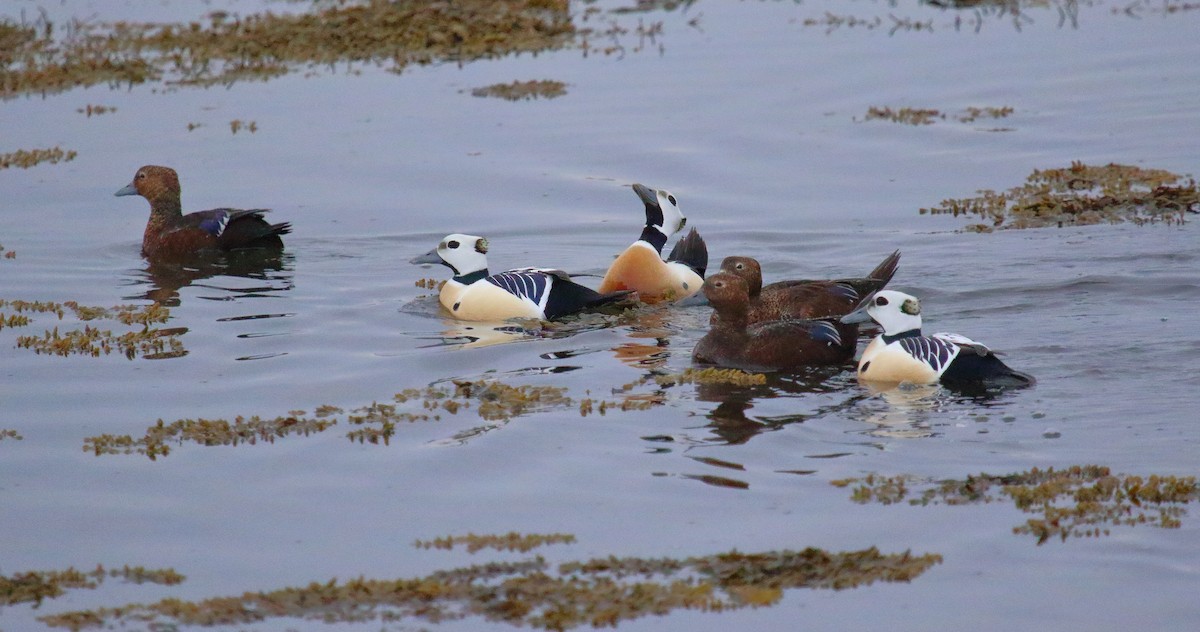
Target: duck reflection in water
column 730, row 422
column 269, row 271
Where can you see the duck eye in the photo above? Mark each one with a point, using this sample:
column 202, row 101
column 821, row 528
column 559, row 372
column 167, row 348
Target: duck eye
column 740, row 266
column 140, row 175
column 452, row 244
column 880, row 301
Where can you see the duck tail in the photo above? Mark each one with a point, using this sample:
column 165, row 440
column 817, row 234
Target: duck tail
column 692, row 252
column 884, row 272
column 281, row 228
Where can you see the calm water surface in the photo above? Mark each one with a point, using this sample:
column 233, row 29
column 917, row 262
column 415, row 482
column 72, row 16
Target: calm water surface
column 755, row 121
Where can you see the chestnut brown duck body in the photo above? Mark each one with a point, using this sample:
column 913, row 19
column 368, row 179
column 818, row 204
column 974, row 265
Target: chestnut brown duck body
column 806, row 298
column 171, row 234
column 735, row 342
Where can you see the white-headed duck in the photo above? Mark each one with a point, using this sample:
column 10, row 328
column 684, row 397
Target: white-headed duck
column 902, row 354
column 473, row 294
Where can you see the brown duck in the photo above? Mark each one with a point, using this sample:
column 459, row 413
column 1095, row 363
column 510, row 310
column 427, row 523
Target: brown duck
column 735, row 342
column 171, row 234
column 803, row 298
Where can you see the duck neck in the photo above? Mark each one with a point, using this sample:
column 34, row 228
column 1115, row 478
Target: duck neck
column 471, row 277
column 911, row 333
column 733, row 318
column 653, row 236
column 165, row 206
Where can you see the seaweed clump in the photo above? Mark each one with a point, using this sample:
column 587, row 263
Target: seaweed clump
column 596, row 592
column 26, row 158
column 374, row 423
column 513, row 541
column 926, row 116
column 226, row 48
column 147, row 342
column 735, row 377
column 37, row 586
column 1079, row 195
column 1078, row 501
column 523, row 90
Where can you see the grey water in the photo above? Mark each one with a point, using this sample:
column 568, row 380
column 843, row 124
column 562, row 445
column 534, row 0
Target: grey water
column 755, row 120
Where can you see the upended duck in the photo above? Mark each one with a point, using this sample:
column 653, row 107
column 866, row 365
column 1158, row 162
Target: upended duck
column 171, row 234
column 903, row 354
column 473, row 294
column 734, row 342
column 641, row 267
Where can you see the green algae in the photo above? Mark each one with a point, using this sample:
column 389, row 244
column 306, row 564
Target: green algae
column 1078, row 501
column 144, row 341
column 523, row 90
column 26, row 158
column 1080, row 195
column 512, row 541
column 597, row 592
column 224, row 48
column 36, row 586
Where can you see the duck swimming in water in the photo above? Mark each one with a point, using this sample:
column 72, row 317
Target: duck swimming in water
column 804, row 298
column 171, row 234
column 473, row 294
column 641, row 267
column 734, row 342
column 902, row 354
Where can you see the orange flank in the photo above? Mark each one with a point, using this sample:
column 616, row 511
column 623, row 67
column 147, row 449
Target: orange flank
column 639, row 268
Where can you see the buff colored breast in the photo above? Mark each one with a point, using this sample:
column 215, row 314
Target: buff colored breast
column 485, row 302
column 882, row 362
column 639, row 268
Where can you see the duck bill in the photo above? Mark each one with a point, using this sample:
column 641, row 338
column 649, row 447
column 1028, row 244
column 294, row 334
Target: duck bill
column 429, row 257
column 860, row 315
column 857, row 316
column 648, row 195
column 128, row 189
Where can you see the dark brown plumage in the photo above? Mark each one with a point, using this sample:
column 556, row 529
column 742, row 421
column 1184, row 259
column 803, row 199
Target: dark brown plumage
column 737, row 343
column 804, row 298
column 171, row 234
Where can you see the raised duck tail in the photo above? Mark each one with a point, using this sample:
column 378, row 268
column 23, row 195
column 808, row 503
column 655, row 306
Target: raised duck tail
column 884, row 272
column 692, row 252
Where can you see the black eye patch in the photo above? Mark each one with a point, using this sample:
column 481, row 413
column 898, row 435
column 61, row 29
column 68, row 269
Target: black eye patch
column 671, row 199
column 452, row 244
column 881, row 301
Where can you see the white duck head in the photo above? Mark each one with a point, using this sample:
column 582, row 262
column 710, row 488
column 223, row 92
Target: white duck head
column 662, row 210
column 896, row 312
column 463, row 254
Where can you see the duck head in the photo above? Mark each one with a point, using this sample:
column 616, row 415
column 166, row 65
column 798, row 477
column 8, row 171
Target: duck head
column 154, row 183
column 662, row 210
column 896, row 312
column 463, row 254
column 727, row 293
column 748, row 269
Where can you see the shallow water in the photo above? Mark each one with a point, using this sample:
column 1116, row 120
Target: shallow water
column 755, row 120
